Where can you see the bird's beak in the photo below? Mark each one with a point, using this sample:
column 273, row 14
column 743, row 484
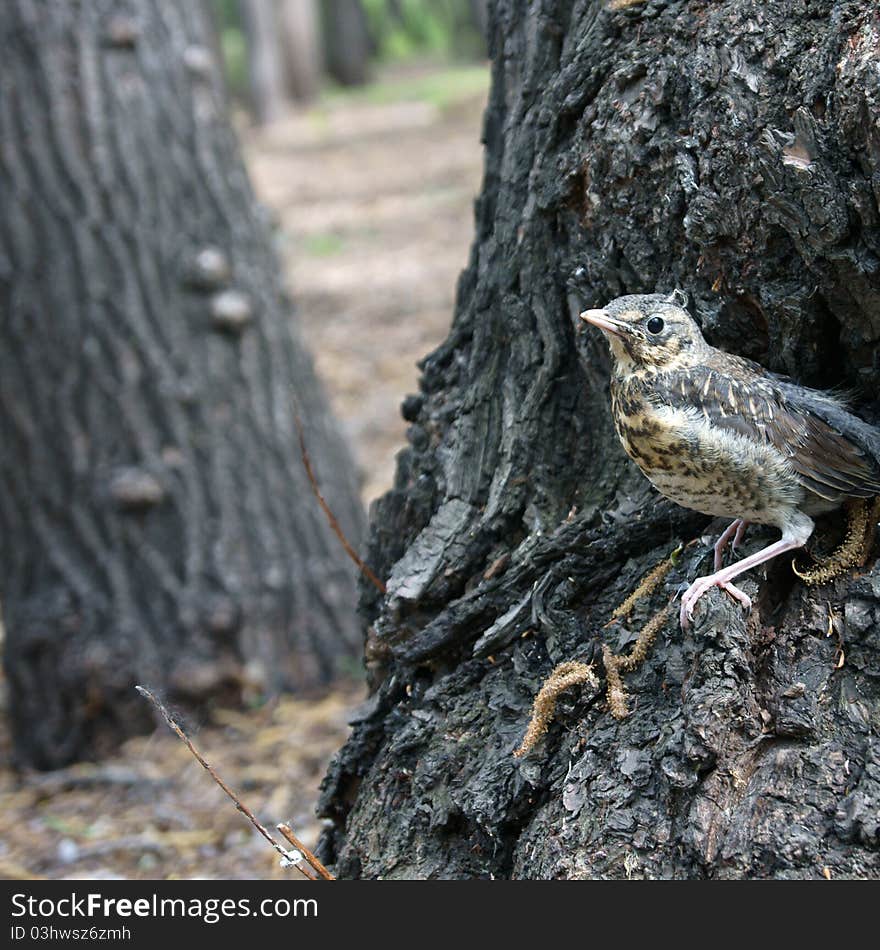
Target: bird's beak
column 601, row 320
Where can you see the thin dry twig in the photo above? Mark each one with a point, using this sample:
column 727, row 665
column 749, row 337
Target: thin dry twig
column 309, row 855
column 286, row 855
column 331, row 518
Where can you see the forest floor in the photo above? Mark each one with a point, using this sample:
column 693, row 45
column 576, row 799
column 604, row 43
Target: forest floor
column 373, row 193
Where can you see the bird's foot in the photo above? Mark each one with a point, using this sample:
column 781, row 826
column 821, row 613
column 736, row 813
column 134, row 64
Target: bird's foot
column 699, row 587
column 737, row 594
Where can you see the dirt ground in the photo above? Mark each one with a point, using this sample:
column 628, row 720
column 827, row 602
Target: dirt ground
column 375, row 200
column 373, row 194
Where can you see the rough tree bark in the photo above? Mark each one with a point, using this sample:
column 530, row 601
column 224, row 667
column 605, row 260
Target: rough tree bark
column 156, row 521
column 730, row 148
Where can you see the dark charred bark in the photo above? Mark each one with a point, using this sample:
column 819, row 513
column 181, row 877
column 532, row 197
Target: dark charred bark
column 157, row 525
column 731, row 149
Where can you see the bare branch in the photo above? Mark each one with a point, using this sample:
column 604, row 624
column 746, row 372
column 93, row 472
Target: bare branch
column 286, row 857
column 331, row 518
column 310, row 856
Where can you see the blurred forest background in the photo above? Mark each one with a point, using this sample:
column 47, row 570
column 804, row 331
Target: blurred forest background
column 360, row 123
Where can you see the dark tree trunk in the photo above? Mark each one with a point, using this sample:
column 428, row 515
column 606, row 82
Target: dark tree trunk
column 156, row 521
column 733, row 149
column 346, row 41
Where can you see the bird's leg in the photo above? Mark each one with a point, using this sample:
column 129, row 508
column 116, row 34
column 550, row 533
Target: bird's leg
column 740, row 534
column 738, row 528
column 724, row 540
column 794, row 535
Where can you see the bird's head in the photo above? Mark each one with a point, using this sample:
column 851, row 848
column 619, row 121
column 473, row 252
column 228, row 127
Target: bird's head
column 650, row 332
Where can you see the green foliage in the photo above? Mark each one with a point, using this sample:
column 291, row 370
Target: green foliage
column 443, row 88
column 233, row 46
column 404, row 29
column 235, row 63
column 226, row 13
column 325, row 244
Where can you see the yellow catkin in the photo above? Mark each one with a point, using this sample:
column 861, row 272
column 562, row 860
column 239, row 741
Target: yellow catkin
column 645, row 641
column 648, row 584
column 564, row 676
column 851, row 552
column 573, row 673
column 615, row 665
column 616, row 694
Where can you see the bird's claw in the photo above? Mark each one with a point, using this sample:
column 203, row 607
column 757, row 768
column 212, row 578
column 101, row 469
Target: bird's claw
column 696, row 591
column 685, row 616
column 738, row 594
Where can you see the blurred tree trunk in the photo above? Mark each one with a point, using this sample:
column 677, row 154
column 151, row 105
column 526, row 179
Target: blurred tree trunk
column 732, row 149
column 467, row 20
column 347, row 41
column 265, row 58
column 301, row 46
column 480, row 15
column 157, row 525
column 395, row 10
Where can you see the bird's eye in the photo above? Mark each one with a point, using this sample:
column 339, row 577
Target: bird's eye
column 655, row 325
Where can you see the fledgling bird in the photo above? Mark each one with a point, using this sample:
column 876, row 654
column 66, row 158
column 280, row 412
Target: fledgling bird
column 720, row 434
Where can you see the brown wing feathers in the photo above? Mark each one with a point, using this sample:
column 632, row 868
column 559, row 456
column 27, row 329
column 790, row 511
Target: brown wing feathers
column 833, row 452
column 830, row 465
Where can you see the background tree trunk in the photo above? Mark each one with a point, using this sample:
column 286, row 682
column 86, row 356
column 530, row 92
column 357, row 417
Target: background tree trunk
column 301, row 31
column 480, row 15
column 347, row 41
column 733, row 149
column 156, row 521
column 263, row 25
